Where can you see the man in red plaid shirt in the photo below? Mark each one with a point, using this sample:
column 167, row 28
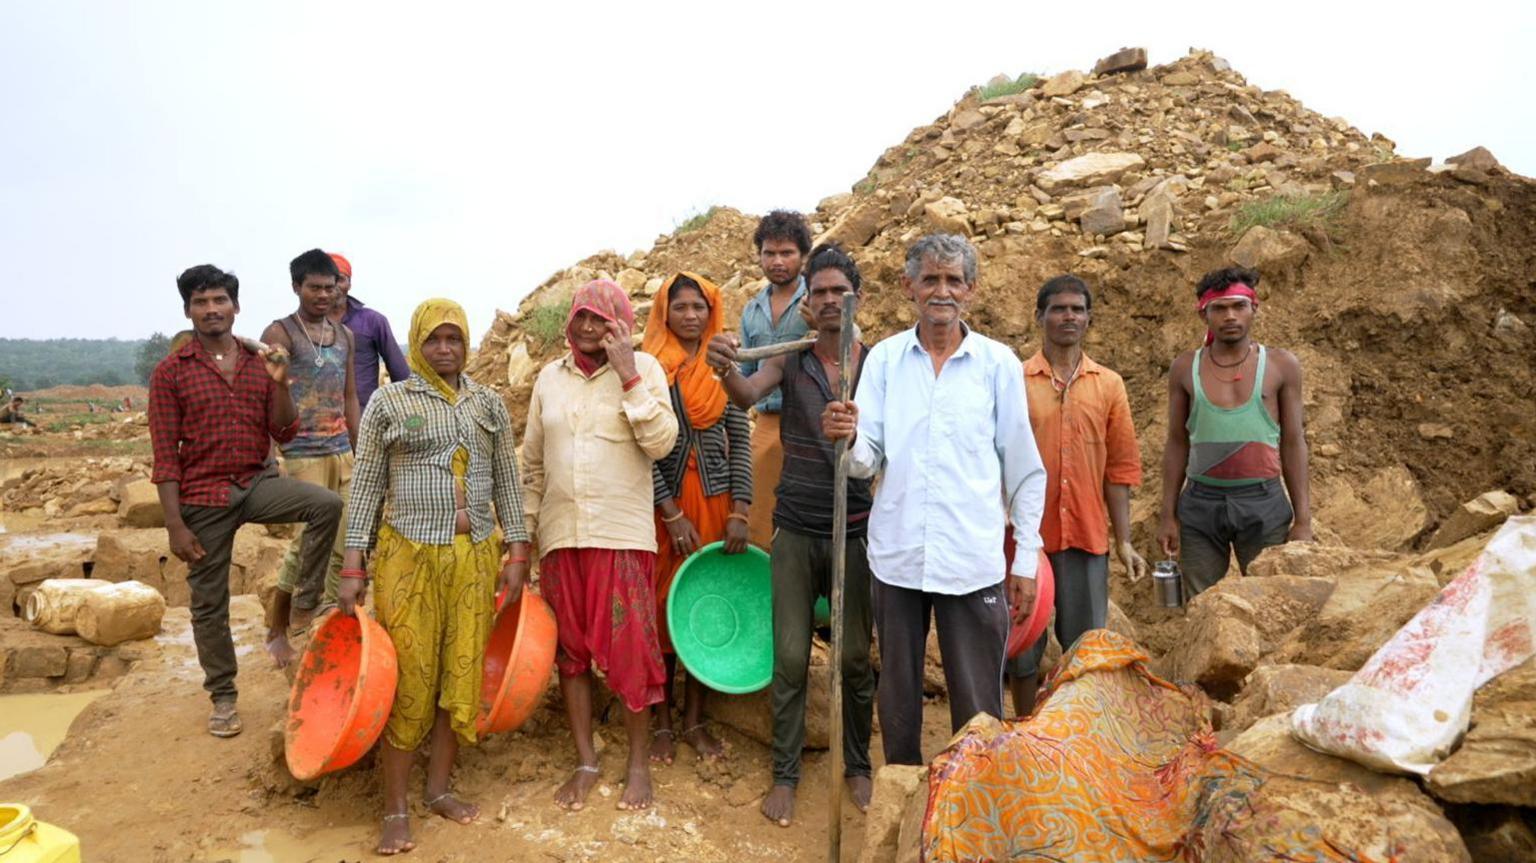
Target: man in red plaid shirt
column 215, row 405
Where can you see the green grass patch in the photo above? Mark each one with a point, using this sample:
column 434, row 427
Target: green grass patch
column 56, row 423
column 1017, row 85
column 1281, row 211
column 865, row 186
column 696, row 221
column 547, row 323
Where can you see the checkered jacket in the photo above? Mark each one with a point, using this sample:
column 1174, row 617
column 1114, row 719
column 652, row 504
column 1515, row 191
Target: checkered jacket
column 405, row 446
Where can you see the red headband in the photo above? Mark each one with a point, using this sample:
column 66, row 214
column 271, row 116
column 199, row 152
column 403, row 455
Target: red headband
column 1236, row 289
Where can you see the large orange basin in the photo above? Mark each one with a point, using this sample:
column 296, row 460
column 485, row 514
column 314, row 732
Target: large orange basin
column 341, row 695
column 519, row 659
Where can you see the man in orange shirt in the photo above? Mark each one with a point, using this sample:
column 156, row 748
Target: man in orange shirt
column 1082, row 423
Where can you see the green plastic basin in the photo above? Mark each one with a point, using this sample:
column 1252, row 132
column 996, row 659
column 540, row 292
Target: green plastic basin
column 720, row 612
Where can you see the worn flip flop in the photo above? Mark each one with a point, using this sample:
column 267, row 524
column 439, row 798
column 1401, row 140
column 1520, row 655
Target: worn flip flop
column 225, row 720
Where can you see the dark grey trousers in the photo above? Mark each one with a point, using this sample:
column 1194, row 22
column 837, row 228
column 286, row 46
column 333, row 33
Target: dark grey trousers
column 270, row 499
column 1216, row 521
column 973, row 637
column 1082, row 603
column 802, row 571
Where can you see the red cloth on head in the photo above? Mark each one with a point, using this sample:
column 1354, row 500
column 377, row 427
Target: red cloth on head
column 1236, row 289
column 342, row 264
column 606, row 300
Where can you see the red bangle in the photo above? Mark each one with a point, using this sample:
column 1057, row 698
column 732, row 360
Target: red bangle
column 630, row 384
column 361, row 574
column 517, row 560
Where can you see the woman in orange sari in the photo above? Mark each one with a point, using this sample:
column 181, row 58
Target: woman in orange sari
column 703, row 486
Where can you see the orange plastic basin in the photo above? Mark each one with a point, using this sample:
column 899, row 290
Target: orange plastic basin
column 519, row 660
column 341, row 695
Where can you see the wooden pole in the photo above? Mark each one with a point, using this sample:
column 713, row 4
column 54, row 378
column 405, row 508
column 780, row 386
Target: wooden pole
column 839, row 567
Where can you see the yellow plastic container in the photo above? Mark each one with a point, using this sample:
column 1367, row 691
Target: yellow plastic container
column 24, row 839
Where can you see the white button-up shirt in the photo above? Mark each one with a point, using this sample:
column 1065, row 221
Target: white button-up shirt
column 959, row 459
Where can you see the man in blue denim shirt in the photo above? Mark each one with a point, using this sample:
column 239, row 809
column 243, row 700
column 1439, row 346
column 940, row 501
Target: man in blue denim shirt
column 772, row 316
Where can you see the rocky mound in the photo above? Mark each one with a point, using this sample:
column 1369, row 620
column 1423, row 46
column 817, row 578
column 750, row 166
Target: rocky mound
column 1405, row 288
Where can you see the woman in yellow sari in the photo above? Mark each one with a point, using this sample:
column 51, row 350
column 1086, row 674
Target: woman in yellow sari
column 439, row 447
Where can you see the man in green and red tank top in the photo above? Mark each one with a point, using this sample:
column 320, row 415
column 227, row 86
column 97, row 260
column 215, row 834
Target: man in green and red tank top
column 324, row 387
column 1234, row 432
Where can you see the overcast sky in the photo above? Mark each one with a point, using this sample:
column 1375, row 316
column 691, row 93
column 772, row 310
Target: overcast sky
column 470, row 150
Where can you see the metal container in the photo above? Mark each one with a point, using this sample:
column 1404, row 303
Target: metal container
column 1168, row 582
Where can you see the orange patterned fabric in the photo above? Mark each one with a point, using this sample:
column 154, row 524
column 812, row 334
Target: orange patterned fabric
column 1114, row 765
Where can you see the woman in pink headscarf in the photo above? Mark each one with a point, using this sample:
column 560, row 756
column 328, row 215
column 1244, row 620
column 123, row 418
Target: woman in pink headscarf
column 599, row 417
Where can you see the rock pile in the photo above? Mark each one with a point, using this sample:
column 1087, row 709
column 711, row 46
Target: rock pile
column 92, row 486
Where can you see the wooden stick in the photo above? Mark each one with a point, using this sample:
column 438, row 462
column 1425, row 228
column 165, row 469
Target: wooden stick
column 747, row 355
column 839, row 567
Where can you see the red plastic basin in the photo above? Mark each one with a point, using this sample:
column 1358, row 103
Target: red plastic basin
column 341, row 696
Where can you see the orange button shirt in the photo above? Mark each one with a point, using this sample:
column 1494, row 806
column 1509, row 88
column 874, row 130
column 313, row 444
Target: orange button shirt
column 1086, row 438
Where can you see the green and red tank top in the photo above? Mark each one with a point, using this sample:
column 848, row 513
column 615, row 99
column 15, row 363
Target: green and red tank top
column 1232, row 446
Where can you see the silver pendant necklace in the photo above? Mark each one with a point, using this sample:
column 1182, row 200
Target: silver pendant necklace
column 314, row 348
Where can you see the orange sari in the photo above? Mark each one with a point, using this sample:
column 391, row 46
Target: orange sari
column 704, row 402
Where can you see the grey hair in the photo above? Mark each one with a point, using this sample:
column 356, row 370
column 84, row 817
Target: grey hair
column 945, row 249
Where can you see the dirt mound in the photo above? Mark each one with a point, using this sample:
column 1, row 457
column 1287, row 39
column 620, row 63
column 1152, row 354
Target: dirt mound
column 91, row 392
column 1405, row 289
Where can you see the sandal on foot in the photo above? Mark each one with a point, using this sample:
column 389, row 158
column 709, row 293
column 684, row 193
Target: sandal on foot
column 225, row 720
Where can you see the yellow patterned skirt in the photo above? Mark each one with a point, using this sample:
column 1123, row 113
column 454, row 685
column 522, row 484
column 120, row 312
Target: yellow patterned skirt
column 437, row 604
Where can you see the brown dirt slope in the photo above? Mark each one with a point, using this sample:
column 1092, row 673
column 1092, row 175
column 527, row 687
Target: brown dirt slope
column 1409, row 299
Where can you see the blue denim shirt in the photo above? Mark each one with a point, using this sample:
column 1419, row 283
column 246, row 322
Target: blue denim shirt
column 758, row 328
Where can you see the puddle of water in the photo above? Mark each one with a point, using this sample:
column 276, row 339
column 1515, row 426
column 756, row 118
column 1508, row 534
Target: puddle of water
column 32, row 726
column 331, row 845
column 27, row 543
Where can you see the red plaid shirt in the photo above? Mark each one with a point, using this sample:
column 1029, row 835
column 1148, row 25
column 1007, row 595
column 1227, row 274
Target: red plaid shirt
column 206, row 432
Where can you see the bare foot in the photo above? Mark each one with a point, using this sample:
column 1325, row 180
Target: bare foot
column 704, row 743
column 663, row 747
column 779, row 805
column 573, row 794
column 861, row 788
column 453, row 808
column 395, row 838
column 637, row 788
column 279, row 648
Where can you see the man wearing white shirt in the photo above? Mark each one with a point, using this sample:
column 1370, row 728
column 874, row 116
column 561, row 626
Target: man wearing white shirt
column 941, row 410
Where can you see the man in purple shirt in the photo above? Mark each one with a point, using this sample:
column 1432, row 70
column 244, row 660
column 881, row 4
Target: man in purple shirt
column 373, row 338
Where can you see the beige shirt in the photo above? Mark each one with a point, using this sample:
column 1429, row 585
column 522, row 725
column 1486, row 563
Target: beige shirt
column 587, row 456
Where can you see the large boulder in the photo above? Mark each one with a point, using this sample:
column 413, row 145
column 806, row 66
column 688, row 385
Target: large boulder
column 1091, row 169
column 1064, row 84
column 1497, row 834
column 1496, row 762
column 858, row 225
column 1378, row 816
column 895, row 787
column 1232, row 626
column 1386, row 511
column 1269, row 250
column 1367, row 607
column 140, row 505
column 1484, row 512
column 144, row 556
column 1124, row 60
column 948, row 215
column 1272, row 689
column 1313, row 560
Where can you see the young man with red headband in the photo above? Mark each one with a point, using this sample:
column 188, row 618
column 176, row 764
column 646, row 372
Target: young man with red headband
column 1234, row 431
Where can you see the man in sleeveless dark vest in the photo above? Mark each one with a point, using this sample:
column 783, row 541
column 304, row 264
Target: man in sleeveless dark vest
column 802, row 536
column 324, row 386
column 1235, row 430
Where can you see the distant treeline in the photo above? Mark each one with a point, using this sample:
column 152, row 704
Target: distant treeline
column 34, row 364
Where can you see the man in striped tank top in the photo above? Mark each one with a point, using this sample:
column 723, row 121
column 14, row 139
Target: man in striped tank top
column 1235, row 431
column 323, row 384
